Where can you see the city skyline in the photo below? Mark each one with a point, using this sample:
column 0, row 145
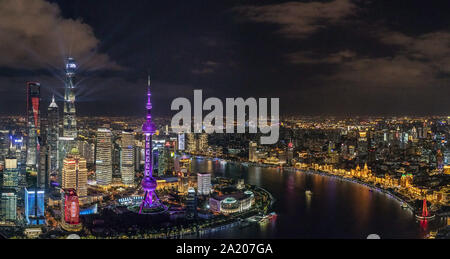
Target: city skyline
column 355, row 143
column 352, row 58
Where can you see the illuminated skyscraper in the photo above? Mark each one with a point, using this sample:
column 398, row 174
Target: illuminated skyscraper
column 11, row 174
column 87, row 150
column 127, row 158
column 191, row 142
column 149, row 182
column 203, row 183
column 65, row 144
column 439, row 160
column 44, row 168
column 290, row 153
column 52, row 134
column 197, row 142
column 414, row 134
column 181, row 137
column 74, row 173
column 362, row 143
column 33, row 121
column 4, row 143
column 103, row 163
column 164, row 160
column 203, row 142
column 8, row 207
column 252, row 155
column 191, row 204
column 70, row 133
column 70, row 123
column 34, row 206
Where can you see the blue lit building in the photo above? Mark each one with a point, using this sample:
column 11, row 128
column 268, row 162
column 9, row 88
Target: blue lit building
column 91, row 210
column 34, row 206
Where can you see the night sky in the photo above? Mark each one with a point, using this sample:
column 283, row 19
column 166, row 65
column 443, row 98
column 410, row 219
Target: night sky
column 338, row 57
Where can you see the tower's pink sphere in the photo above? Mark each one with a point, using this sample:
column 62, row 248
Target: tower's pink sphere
column 149, row 184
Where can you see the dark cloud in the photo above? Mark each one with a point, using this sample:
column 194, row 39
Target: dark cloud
column 318, row 56
column 388, row 72
column 431, row 48
column 310, row 57
column 417, row 61
column 297, row 19
column 207, row 67
column 34, row 35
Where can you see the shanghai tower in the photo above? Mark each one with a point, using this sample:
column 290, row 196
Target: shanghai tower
column 70, row 123
column 69, row 134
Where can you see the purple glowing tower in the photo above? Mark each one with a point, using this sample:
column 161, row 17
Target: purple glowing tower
column 149, row 182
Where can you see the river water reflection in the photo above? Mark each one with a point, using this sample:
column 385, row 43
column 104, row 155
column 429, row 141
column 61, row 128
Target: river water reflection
column 336, row 209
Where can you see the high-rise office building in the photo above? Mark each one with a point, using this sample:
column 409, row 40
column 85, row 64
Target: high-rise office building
column 191, row 142
column 43, row 172
column 69, row 119
column 87, row 150
column 74, row 173
column 290, row 153
column 11, row 174
column 197, row 142
column 53, row 134
column 65, row 144
column 203, row 143
column 43, row 132
column 163, row 160
column 116, row 159
column 34, row 206
column 127, row 158
column 137, row 157
column 166, row 131
column 33, row 122
column 18, row 150
column 252, row 155
column 181, row 145
column 191, row 204
column 43, row 176
column 4, row 143
column 363, row 144
column 21, row 153
column 69, row 127
column 439, row 160
column 103, row 163
column 203, row 183
column 8, row 207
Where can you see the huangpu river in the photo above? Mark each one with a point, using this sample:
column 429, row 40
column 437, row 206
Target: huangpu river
column 336, row 208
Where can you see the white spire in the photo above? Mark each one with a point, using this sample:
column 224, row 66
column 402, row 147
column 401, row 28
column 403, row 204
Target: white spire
column 53, row 103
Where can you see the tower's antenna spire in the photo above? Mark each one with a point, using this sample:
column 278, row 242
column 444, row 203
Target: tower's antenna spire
column 149, row 103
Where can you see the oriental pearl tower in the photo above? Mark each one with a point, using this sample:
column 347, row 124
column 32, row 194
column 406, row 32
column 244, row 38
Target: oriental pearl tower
column 149, row 184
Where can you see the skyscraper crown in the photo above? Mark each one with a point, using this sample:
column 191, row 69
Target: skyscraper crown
column 53, row 103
